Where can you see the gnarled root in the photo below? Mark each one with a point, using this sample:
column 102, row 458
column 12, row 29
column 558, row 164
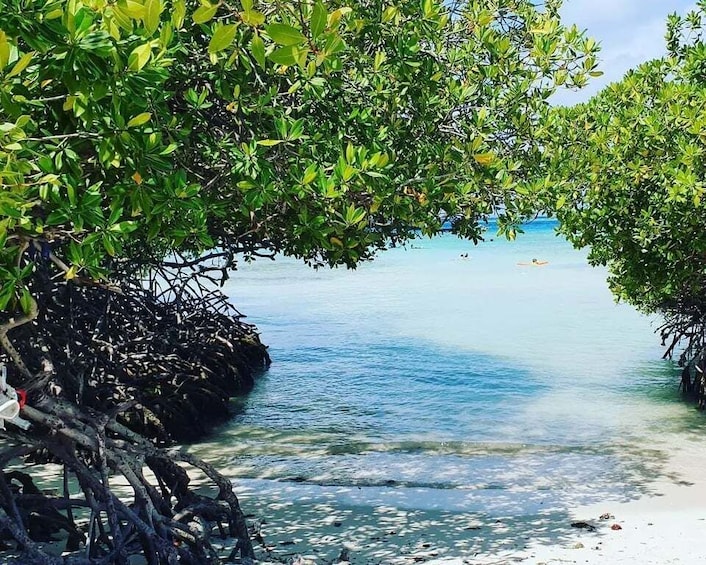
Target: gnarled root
column 159, row 517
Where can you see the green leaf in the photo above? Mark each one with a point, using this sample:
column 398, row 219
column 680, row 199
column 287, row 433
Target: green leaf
column 57, row 217
column 204, row 14
column 252, row 18
column 484, row 159
column 309, row 175
column 139, row 120
column 389, row 13
column 21, row 65
column 122, row 18
column 284, row 34
column 4, row 53
column 26, row 301
column 354, row 215
column 300, row 54
column 257, row 47
column 54, row 14
column 165, row 35
column 7, row 293
column 135, row 10
column 334, row 44
column 108, row 244
column 222, row 38
column 319, row 17
column 284, row 56
column 124, row 227
column 269, row 142
column 115, row 216
column 139, row 57
column 153, row 11
column 335, row 16
column 178, row 13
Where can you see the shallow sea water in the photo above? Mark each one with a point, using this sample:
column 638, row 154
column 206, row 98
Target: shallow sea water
column 430, row 380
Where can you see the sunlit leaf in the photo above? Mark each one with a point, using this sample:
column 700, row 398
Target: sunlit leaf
column 139, row 120
column 222, row 38
column 205, row 13
column 21, row 64
column 284, row 34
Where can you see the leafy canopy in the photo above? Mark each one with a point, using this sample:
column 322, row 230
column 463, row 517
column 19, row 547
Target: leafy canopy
column 133, row 130
column 630, row 175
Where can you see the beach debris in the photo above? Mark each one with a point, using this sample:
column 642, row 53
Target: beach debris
column 607, row 516
column 578, row 545
column 584, row 526
column 616, row 527
column 11, row 402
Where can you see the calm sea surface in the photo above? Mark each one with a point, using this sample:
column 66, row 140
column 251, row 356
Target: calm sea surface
column 487, row 384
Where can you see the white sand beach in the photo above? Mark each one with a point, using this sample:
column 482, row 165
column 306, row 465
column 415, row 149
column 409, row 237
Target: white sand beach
column 665, row 525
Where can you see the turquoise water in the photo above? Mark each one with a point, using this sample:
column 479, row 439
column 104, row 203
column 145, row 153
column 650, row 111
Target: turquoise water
column 477, row 380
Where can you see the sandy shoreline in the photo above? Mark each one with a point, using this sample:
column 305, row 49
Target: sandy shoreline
column 665, row 525
column 317, row 525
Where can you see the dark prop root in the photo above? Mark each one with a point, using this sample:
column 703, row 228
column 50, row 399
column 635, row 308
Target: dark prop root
column 162, row 519
column 177, row 362
column 112, row 377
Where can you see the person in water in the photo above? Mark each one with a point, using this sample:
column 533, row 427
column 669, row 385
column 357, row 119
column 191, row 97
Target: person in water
column 534, row 263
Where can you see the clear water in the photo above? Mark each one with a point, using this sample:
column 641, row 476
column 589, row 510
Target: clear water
column 475, row 381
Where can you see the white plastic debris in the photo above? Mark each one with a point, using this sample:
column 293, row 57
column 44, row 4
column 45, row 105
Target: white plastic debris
column 9, row 403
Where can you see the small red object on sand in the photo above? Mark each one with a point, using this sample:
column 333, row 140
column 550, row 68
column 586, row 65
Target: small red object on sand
column 21, row 397
column 616, row 527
